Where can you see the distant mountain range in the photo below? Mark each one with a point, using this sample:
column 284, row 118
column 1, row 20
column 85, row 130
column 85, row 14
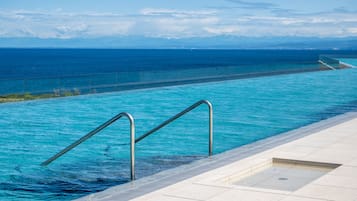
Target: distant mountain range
column 218, row 42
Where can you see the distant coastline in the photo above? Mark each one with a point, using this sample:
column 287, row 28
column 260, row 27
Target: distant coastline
column 29, row 96
column 214, row 42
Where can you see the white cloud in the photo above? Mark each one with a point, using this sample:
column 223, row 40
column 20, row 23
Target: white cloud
column 170, row 27
column 352, row 30
column 226, row 30
column 177, row 13
column 62, row 25
column 173, row 23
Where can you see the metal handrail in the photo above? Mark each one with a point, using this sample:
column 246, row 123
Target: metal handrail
column 210, row 139
column 95, row 131
column 133, row 141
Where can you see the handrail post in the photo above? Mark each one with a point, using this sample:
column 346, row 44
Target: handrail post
column 132, row 147
column 210, row 132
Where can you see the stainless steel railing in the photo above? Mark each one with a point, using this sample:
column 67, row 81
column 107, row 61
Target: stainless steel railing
column 133, row 141
column 95, row 131
column 210, row 126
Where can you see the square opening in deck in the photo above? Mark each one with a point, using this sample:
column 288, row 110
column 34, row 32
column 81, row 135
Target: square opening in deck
column 286, row 174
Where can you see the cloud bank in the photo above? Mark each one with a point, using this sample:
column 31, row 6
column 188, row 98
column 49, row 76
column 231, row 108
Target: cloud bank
column 241, row 18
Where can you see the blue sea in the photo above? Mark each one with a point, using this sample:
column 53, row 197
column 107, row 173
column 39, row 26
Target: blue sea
column 34, row 63
column 102, row 70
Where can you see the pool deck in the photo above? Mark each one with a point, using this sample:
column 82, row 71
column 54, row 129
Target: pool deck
column 213, row 179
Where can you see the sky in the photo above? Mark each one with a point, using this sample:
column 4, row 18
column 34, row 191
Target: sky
column 65, row 19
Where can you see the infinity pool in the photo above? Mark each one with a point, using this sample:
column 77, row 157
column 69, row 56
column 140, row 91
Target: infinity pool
column 245, row 111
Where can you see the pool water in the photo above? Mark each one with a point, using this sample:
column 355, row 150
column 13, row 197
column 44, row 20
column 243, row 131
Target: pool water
column 245, row 111
column 351, row 61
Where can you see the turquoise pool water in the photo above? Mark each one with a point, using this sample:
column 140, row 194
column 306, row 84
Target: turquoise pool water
column 351, row 61
column 245, row 111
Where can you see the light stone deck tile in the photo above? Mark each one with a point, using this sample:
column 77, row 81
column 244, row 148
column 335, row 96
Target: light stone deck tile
column 350, row 141
column 301, row 149
column 345, row 171
column 319, row 142
column 161, row 198
column 327, row 192
column 332, row 156
column 337, row 181
column 348, row 145
column 243, row 195
column 352, row 163
column 296, row 152
column 342, row 129
column 196, row 191
column 296, row 198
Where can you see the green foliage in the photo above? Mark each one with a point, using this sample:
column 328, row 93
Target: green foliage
column 67, row 93
column 29, row 96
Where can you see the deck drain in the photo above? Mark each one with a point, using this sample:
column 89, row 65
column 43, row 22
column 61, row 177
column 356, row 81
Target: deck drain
column 285, row 174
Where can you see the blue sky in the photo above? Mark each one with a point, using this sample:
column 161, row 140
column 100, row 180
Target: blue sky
column 177, row 18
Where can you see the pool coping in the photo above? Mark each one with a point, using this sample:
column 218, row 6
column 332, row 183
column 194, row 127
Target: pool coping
column 165, row 178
